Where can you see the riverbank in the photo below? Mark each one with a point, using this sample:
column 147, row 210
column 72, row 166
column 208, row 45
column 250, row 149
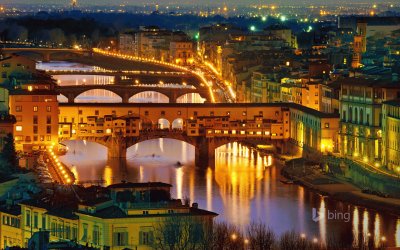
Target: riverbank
column 114, row 63
column 311, row 176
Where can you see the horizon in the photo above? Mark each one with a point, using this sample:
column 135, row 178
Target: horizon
column 304, row 3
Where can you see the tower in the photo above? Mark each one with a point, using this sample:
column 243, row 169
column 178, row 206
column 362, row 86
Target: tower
column 359, row 44
column 74, row 3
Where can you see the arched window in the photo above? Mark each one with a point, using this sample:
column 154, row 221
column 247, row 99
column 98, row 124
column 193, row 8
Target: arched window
column 350, row 114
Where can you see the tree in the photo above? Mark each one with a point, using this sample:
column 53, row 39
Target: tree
column 260, row 237
column 9, row 154
column 180, row 232
column 57, row 36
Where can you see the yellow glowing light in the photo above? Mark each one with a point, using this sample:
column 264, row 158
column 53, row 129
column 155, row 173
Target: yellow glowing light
column 233, row 236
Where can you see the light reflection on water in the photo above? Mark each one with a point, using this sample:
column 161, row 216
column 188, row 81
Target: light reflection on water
column 238, row 188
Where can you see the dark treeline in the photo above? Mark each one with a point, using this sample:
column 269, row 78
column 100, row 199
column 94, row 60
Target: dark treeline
column 69, row 28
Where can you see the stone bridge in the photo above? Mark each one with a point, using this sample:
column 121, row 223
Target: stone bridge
column 126, row 91
column 204, row 147
column 47, row 53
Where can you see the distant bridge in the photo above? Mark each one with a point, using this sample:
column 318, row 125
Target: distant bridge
column 47, row 53
column 127, row 91
column 139, row 76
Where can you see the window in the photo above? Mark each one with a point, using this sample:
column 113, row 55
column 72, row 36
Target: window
column 48, row 137
column 48, row 119
column 162, row 112
column 53, row 228
column 85, row 232
column 96, row 235
column 96, row 112
column 43, row 217
column 19, row 118
column 146, row 238
column 327, row 125
column 48, row 108
column 244, row 113
column 28, row 218
column 35, row 220
column 48, row 129
column 120, row 237
column 35, row 130
column 35, row 119
column 35, row 108
column 146, row 113
column 74, row 232
column 18, row 108
column 68, row 231
column 18, row 128
column 79, row 112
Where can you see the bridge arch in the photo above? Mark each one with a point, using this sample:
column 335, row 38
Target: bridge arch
column 149, row 96
column 98, row 95
column 163, row 123
column 177, row 124
column 193, row 97
column 35, row 55
column 62, row 98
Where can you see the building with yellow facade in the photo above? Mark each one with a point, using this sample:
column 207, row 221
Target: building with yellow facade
column 314, row 131
column 391, row 135
column 121, row 216
column 361, row 113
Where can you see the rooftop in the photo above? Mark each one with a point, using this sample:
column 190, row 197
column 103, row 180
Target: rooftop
column 395, row 102
column 374, row 82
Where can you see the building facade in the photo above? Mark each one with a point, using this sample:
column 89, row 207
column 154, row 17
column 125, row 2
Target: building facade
column 361, row 117
column 391, row 135
column 35, row 106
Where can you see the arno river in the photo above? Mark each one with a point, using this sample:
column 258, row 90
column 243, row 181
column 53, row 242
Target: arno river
column 239, row 189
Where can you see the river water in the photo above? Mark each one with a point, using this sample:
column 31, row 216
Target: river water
column 239, row 189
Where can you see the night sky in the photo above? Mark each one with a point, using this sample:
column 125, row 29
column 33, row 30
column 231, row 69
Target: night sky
column 196, row 2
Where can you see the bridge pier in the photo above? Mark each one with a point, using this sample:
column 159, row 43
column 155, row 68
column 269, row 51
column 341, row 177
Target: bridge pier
column 46, row 57
column 205, row 153
column 116, row 147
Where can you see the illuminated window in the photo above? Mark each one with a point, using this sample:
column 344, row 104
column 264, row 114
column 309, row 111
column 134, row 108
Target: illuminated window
column 233, row 132
column 18, row 128
column 48, row 108
column 35, row 108
column 242, row 132
column 244, row 113
column 18, row 108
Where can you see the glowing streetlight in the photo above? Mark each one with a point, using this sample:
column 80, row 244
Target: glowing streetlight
column 233, row 236
column 283, row 18
column 264, row 18
column 253, row 28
